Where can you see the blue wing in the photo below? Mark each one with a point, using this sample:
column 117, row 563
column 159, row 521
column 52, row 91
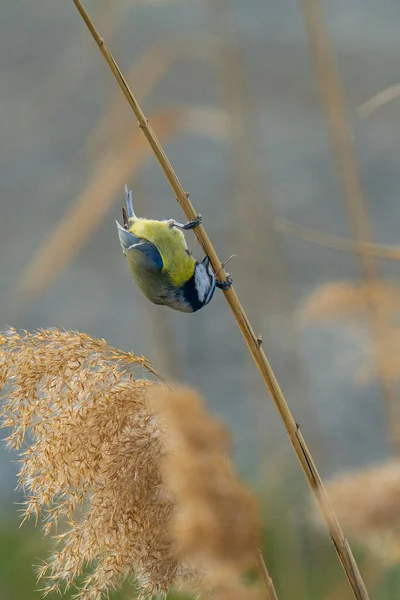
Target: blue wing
column 131, row 243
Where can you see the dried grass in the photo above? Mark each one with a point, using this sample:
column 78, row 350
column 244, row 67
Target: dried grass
column 215, row 522
column 88, row 446
column 132, row 498
column 216, row 519
column 340, row 299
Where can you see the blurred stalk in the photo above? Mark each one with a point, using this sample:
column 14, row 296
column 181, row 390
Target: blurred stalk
column 341, row 138
column 245, row 231
column 147, row 72
column 257, row 239
column 373, row 574
column 255, row 217
column 266, row 578
column 255, row 212
column 245, row 190
column 83, row 217
column 335, row 242
column 379, row 100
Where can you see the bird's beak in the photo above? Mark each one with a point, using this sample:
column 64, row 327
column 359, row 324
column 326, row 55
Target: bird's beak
column 206, row 261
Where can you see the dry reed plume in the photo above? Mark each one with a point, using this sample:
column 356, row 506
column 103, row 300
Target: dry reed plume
column 133, row 498
column 215, row 520
column 367, row 502
column 346, row 299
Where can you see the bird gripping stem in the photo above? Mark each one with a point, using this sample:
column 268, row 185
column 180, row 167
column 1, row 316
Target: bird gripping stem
column 303, row 454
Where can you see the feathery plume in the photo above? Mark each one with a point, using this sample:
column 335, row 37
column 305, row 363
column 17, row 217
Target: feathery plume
column 90, row 455
column 136, row 475
column 215, row 520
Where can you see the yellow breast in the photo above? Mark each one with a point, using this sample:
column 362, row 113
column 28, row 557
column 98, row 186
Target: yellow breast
column 171, row 245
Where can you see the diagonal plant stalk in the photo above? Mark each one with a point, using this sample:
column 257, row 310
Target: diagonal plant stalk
column 303, row 454
column 379, row 100
column 353, row 196
column 266, row 577
column 148, row 70
column 335, row 242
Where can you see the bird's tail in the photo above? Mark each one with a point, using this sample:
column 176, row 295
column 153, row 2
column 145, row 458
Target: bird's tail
column 129, row 203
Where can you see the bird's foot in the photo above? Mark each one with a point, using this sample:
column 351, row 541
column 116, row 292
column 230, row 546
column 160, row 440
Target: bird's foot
column 225, row 285
column 186, row 226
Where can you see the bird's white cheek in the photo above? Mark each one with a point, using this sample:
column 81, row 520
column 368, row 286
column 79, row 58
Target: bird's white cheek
column 202, row 283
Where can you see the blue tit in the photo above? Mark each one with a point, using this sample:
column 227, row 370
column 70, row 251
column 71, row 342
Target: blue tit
column 161, row 264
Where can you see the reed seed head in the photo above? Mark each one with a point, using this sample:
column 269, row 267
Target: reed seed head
column 135, row 475
column 215, row 520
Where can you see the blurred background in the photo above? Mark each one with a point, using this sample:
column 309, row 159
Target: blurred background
column 280, row 118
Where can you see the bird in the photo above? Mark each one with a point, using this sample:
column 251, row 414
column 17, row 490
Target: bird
column 161, row 264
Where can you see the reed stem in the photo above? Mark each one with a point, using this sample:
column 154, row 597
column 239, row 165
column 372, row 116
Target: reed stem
column 303, row 454
column 266, row 577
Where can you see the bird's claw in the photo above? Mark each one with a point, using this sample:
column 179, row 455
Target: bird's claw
column 225, row 285
column 186, row 226
column 192, row 224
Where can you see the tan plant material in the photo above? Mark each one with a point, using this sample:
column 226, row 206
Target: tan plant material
column 379, row 100
column 335, row 242
column 299, row 444
column 90, row 455
column 367, row 502
column 344, row 299
column 131, row 497
column 215, row 521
